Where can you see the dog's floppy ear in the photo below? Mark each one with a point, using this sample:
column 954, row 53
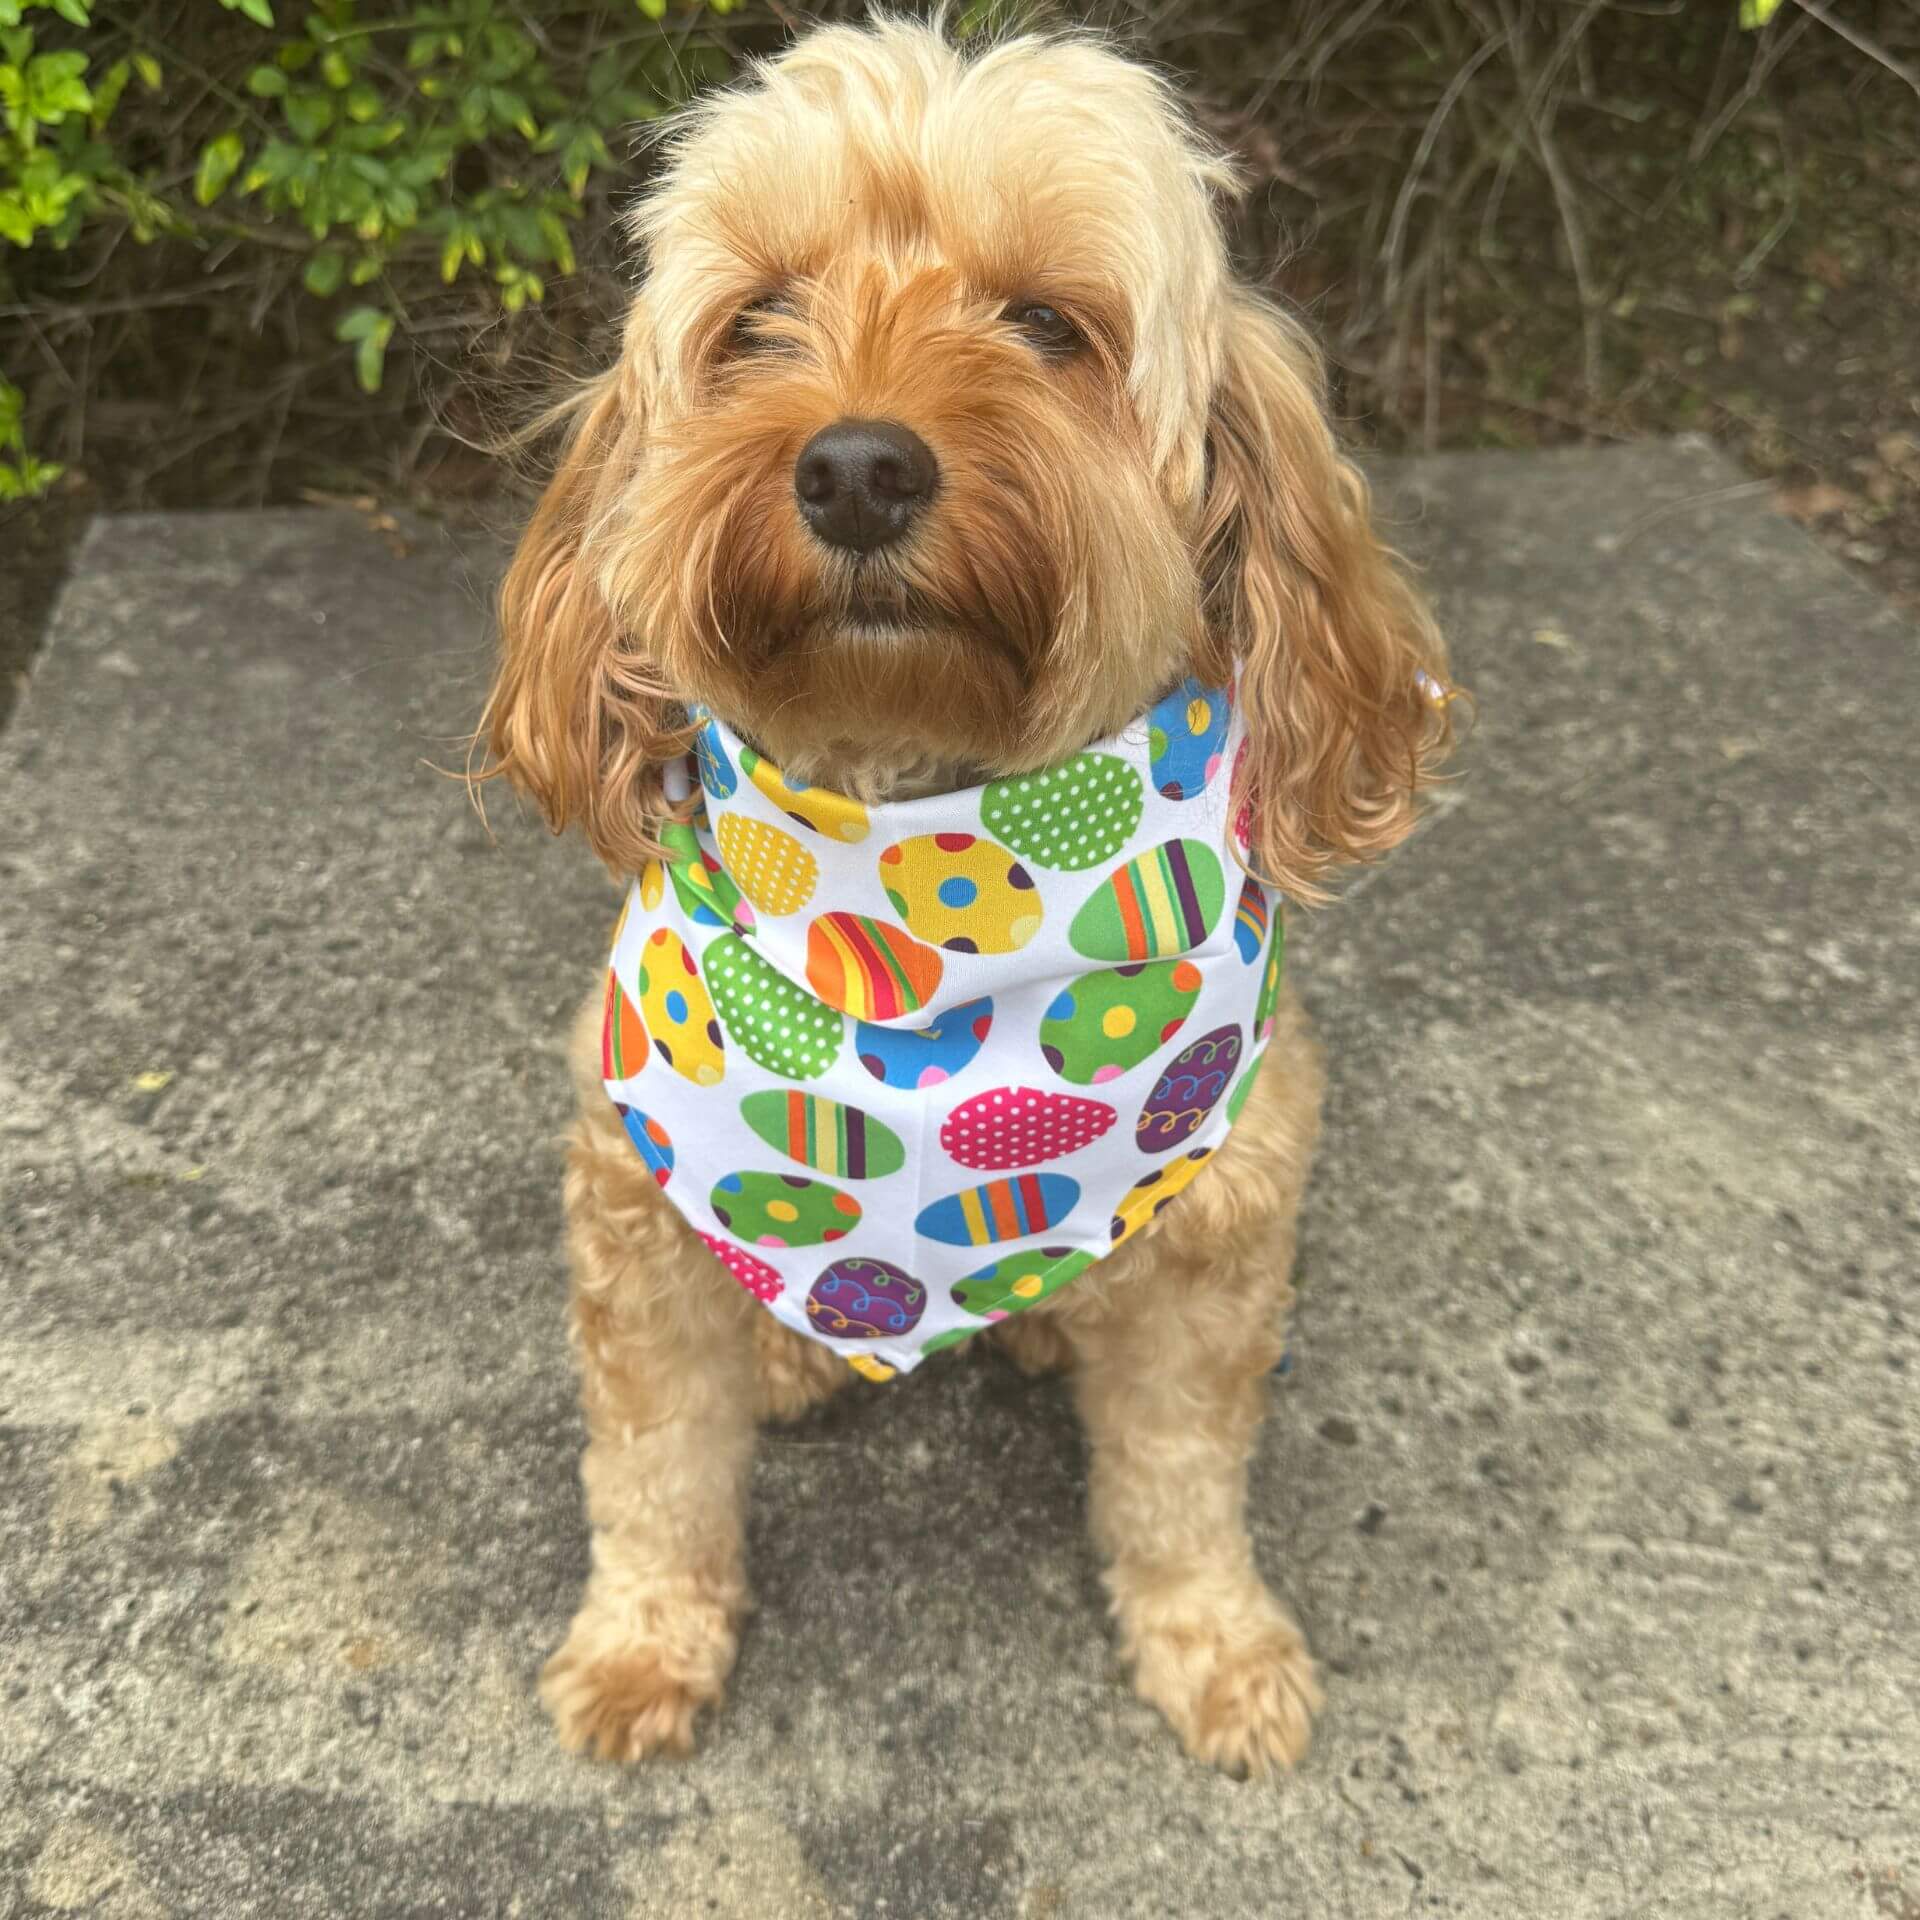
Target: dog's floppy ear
column 1333, row 641
column 577, row 718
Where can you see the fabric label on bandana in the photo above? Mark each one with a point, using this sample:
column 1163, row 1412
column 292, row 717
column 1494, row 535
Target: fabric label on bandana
column 907, row 1069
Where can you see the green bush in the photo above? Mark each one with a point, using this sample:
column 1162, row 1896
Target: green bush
column 386, row 147
column 217, row 219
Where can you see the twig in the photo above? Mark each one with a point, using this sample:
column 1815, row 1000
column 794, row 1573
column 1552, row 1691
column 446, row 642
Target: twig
column 1862, row 41
column 1397, row 225
column 1564, row 198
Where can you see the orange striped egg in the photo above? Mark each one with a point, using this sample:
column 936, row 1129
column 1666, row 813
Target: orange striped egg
column 1162, row 902
column 869, row 968
column 623, row 1036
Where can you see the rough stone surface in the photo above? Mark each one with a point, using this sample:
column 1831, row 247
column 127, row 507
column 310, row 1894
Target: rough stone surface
column 1593, row 1481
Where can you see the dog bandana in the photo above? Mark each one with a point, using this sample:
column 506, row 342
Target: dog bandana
column 909, row 1068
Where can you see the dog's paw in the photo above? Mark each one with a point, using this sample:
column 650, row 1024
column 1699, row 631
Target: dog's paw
column 623, row 1688
column 1244, row 1704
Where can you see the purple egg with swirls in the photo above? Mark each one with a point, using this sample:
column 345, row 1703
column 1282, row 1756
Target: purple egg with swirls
column 861, row 1299
column 1188, row 1091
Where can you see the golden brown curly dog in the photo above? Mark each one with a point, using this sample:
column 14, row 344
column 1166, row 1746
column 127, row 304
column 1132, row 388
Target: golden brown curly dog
column 1013, row 262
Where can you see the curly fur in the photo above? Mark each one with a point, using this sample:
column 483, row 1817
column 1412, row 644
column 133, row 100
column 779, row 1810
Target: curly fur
column 846, row 234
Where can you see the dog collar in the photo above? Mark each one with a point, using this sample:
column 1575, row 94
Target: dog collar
column 909, row 1068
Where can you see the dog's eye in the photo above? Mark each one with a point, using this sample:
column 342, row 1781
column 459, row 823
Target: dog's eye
column 1044, row 327
column 749, row 333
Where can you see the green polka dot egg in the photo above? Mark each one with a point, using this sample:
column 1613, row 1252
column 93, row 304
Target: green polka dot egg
column 1069, row 817
column 775, row 1023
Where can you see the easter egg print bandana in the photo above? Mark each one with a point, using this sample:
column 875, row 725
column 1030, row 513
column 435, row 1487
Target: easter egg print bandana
column 907, row 1069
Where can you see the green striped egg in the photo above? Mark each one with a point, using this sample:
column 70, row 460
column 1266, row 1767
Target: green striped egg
column 823, row 1134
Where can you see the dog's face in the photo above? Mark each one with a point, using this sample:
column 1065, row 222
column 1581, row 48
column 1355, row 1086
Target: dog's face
column 942, row 440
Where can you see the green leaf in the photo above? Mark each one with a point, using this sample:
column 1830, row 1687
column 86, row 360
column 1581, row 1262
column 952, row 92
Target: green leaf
column 148, row 68
column 309, row 113
column 219, row 162
column 56, row 86
column 72, row 11
column 654, row 9
column 258, row 11
column 369, row 330
column 335, row 70
column 106, row 96
column 324, row 273
column 266, row 83
column 1754, row 14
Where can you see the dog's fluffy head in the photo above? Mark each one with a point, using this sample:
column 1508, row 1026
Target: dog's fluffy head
column 1016, row 256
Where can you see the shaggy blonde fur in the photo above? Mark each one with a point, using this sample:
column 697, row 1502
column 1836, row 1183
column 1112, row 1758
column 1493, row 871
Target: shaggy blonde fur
column 855, row 232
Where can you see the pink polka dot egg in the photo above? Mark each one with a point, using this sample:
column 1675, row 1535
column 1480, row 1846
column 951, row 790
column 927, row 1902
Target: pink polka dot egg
column 1021, row 1127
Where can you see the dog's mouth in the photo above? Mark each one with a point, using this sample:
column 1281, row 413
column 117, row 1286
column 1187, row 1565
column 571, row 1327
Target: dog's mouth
column 888, row 608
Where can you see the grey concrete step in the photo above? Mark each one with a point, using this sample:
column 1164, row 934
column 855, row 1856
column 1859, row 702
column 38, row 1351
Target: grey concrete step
column 1593, row 1483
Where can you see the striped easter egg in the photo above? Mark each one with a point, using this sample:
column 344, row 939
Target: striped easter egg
column 1161, row 902
column 869, row 968
column 1270, row 986
column 651, row 1139
column 1250, row 920
column 1001, row 1210
column 623, row 1036
column 823, row 1134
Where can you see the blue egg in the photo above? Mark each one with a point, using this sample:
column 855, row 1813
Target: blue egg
column 1008, row 1209
column 923, row 1056
column 1186, row 733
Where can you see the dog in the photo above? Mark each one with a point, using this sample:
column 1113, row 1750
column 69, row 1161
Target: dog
column 942, row 442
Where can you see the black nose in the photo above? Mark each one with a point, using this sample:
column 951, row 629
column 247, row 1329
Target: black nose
column 861, row 482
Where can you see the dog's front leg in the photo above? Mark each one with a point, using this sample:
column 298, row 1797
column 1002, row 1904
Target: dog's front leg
column 1171, row 1385
column 665, row 1345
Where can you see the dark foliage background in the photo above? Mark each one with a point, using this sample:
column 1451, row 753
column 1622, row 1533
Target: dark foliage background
column 258, row 249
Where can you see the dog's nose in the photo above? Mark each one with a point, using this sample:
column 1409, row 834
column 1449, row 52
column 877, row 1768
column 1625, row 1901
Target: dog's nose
column 860, row 483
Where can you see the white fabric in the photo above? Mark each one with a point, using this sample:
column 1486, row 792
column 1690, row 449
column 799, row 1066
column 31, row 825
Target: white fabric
column 909, row 1068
